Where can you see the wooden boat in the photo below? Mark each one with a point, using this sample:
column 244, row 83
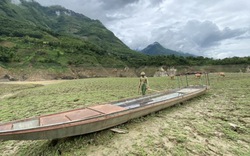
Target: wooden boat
column 94, row 118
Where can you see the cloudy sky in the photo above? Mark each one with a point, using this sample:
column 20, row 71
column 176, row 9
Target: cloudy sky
column 211, row 28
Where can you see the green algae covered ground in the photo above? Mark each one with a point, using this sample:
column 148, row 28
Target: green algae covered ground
column 217, row 123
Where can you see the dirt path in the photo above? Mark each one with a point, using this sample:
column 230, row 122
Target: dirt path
column 46, row 82
column 7, row 95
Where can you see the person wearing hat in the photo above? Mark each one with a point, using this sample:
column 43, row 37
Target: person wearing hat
column 143, row 84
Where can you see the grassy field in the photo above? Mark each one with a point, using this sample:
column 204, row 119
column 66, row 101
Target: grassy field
column 217, row 123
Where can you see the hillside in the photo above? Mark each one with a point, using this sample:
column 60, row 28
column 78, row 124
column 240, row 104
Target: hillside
column 38, row 36
column 157, row 49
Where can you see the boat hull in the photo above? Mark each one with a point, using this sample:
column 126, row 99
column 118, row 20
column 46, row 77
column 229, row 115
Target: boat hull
column 93, row 124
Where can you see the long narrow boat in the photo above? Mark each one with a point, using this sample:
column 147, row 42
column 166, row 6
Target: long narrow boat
column 94, row 118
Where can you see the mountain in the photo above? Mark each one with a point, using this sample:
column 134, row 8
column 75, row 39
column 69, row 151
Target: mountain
column 157, row 49
column 38, row 36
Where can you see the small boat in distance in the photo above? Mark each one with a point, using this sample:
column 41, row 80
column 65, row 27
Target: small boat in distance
column 94, row 118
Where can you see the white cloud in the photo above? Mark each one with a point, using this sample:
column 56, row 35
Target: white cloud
column 205, row 28
column 15, row 1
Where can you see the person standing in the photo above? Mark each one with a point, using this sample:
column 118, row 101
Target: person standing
column 143, row 84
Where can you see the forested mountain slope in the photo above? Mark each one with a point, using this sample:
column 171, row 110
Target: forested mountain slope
column 35, row 35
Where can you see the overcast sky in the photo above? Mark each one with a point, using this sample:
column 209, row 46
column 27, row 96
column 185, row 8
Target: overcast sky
column 211, row 28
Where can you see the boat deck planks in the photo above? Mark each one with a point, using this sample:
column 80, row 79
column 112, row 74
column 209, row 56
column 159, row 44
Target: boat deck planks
column 107, row 108
column 79, row 114
column 26, row 124
column 5, row 127
column 134, row 103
